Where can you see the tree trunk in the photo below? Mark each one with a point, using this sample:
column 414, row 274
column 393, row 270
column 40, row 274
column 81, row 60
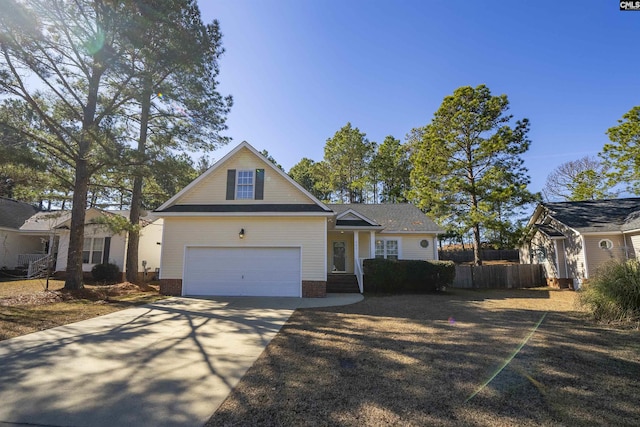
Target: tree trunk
column 74, row 277
column 133, row 242
column 477, row 259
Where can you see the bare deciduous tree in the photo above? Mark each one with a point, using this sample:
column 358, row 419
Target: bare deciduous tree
column 582, row 179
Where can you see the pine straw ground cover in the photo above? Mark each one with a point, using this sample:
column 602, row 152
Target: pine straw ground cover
column 422, row 360
column 25, row 305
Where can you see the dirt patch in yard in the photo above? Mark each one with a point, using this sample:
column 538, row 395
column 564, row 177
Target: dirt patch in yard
column 488, row 358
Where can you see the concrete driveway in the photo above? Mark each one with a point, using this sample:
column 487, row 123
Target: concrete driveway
column 171, row 363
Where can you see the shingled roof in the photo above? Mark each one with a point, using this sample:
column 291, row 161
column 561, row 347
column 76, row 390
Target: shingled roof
column 592, row 216
column 13, row 213
column 402, row 217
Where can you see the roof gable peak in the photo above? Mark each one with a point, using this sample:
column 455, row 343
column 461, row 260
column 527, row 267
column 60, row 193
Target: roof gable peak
column 244, row 145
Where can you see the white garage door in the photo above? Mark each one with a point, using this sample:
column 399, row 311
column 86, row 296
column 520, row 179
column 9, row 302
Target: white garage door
column 242, row 272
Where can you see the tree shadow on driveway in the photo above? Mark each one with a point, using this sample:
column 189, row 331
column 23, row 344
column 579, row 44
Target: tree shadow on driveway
column 166, row 364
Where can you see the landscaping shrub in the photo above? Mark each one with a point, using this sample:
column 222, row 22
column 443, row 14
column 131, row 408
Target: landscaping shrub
column 106, row 273
column 614, row 293
column 406, row 276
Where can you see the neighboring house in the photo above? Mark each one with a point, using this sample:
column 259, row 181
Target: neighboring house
column 30, row 242
column 13, row 214
column 244, row 227
column 572, row 239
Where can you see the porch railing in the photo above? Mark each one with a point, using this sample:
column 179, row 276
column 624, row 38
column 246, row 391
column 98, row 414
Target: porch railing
column 359, row 274
column 25, row 259
column 38, row 267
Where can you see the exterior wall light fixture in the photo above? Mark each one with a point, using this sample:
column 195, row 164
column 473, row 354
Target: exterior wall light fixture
column 241, row 234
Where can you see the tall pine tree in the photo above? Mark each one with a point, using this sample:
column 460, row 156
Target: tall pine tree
column 468, row 162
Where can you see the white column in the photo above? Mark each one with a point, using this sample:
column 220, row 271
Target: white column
column 51, row 242
column 372, row 244
column 356, row 248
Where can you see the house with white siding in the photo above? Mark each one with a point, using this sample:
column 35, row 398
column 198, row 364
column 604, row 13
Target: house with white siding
column 244, row 227
column 573, row 239
column 31, row 240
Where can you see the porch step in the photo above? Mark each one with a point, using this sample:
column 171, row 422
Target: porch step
column 342, row 283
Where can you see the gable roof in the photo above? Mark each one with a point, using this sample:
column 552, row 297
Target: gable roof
column 48, row 220
column 14, row 213
column 45, row 221
column 592, row 216
column 550, row 231
column 351, row 218
column 171, row 203
column 394, row 218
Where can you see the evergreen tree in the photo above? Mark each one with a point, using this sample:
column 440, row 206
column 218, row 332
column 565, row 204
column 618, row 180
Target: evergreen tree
column 347, row 156
column 623, row 153
column 391, row 167
column 468, row 162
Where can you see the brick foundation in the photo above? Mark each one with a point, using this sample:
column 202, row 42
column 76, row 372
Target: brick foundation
column 171, row 287
column 314, row 289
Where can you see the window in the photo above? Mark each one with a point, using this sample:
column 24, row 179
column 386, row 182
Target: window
column 244, row 185
column 392, row 249
column 92, row 250
column 387, row 249
column 605, row 244
column 540, row 254
column 379, row 248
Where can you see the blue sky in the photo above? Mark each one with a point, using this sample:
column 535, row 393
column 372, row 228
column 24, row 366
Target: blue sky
column 299, row 70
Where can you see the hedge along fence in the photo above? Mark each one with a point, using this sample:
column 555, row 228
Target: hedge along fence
column 406, row 276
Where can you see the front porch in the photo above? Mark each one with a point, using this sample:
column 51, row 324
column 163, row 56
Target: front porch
column 41, row 252
column 346, row 251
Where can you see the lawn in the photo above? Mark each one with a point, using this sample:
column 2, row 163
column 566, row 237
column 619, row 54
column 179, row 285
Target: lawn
column 26, row 306
column 445, row 360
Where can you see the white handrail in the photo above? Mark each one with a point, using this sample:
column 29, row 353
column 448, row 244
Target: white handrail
column 38, row 266
column 359, row 274
column 25, row 259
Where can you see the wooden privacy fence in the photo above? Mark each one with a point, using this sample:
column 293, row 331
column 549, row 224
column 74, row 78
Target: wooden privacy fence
column 499, row 276
column 487, row 255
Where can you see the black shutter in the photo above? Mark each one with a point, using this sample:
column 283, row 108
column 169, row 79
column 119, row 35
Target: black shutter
column 105, row 252
column 259, row 193
column 231, row 184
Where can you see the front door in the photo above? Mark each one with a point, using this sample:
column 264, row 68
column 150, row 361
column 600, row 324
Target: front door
column 339, row 260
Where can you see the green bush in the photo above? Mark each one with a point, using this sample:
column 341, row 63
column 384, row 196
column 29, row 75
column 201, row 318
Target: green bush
column 614, row 293
column 407, row 276
column 106, row 273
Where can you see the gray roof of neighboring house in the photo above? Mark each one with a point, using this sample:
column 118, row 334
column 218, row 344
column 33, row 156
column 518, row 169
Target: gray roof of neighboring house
column 632, row 222
column 400, row 217
column 13, row 213
column 591, row 216
column 45, row 221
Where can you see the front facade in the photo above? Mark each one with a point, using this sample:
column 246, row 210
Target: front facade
column 244, row 227
column 573, row 239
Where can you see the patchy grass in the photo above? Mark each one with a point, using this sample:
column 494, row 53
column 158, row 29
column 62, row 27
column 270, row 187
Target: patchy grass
column 421, row 360
column 26, row 307
column 11, row 288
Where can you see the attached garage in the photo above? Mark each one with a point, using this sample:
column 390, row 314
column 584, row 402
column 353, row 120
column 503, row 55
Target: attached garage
column 245, row 271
